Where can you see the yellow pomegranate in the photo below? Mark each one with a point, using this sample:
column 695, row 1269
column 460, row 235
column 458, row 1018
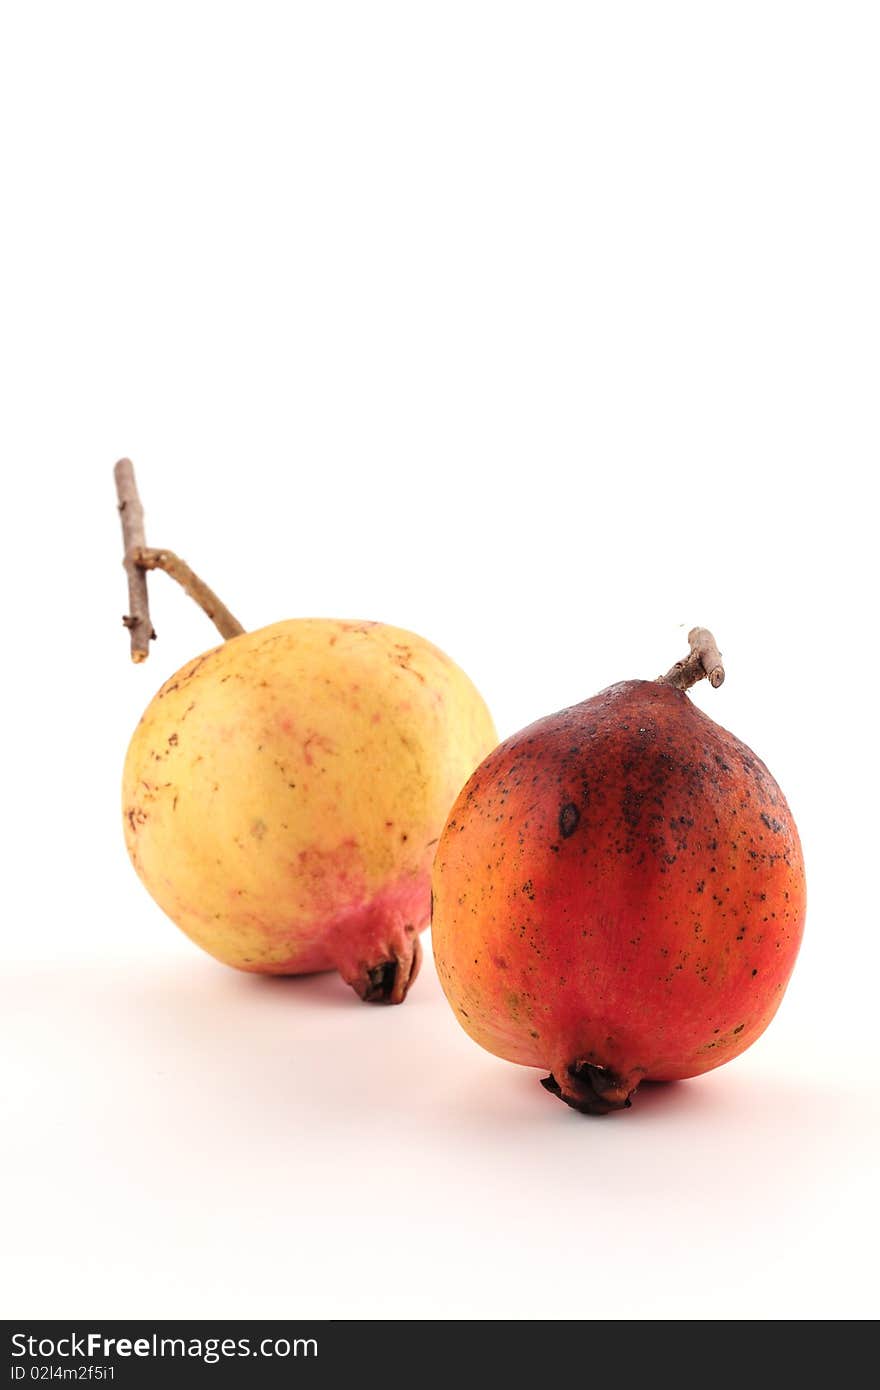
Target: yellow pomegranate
column 284, row 792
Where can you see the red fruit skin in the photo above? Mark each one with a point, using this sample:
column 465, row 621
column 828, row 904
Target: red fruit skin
column 619, row 886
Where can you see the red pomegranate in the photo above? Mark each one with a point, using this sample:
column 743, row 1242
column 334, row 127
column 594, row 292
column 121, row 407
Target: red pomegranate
column 619, row 892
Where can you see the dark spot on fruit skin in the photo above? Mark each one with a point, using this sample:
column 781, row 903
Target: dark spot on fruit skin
column 631, row 807
column 569, row 820
column 739, row 1028
column 771, row 823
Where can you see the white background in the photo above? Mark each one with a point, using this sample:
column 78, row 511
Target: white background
column 547, row 331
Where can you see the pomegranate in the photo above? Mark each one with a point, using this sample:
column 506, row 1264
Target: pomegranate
column 283, row 793
column 619, row 893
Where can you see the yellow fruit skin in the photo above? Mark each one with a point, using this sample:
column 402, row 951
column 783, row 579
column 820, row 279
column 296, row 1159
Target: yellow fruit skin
column 284, row 792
